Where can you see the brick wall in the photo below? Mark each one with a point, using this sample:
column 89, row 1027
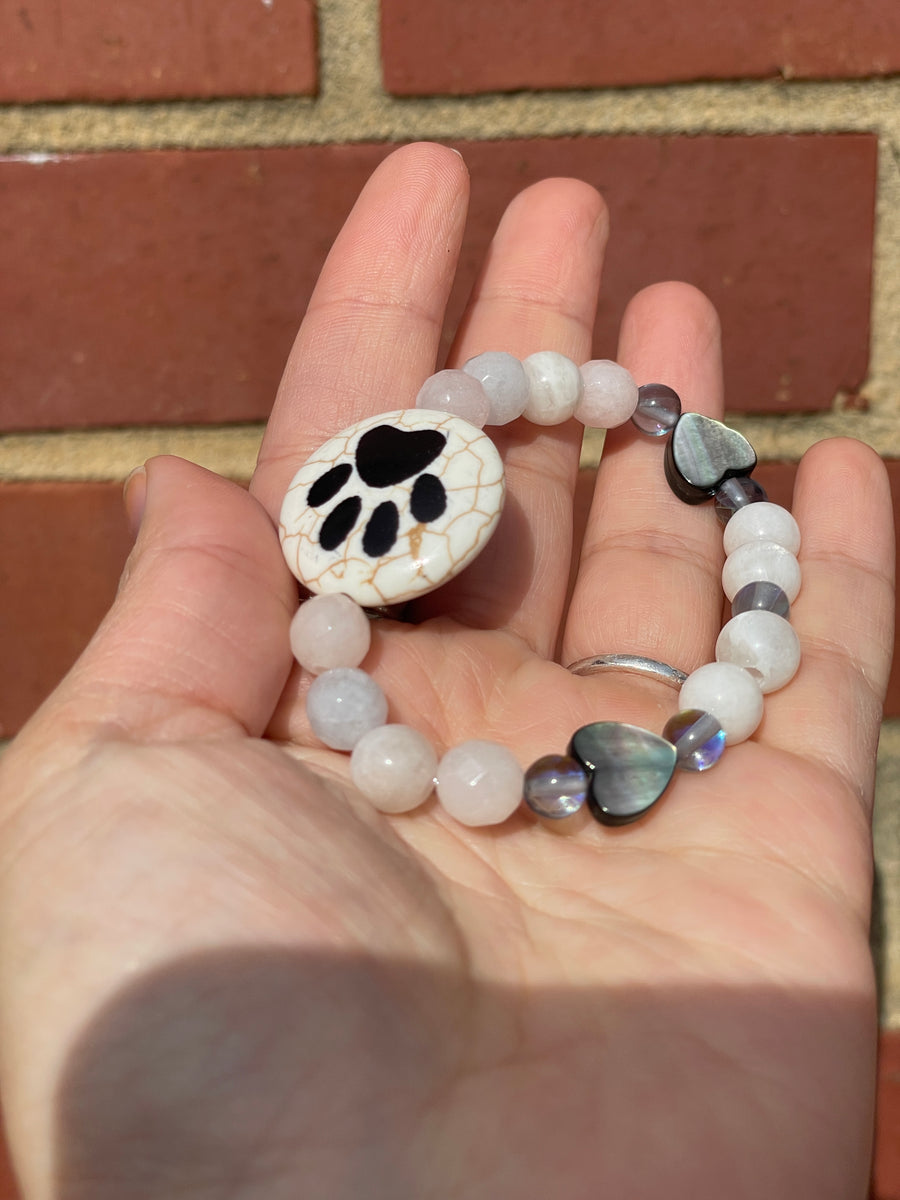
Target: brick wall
column 172, row 176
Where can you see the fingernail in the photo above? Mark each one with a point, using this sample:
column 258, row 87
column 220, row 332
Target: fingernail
column 134, row 495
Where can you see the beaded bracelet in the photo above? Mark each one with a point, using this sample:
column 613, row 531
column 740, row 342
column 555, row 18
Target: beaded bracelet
column 399, row 503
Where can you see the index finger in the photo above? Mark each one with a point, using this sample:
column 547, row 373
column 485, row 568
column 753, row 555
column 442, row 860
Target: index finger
column 371, row 332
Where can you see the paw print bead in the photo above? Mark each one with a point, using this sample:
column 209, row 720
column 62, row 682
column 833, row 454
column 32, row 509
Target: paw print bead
column 392, row 507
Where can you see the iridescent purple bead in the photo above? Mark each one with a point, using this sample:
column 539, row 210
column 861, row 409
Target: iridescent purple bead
column 555, row 786
column 762, row 595
column 698, row 738
column 658, row 409
column 735, row 493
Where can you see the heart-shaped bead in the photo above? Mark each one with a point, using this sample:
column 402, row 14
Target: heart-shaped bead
column 702, row 454
column 629, row 769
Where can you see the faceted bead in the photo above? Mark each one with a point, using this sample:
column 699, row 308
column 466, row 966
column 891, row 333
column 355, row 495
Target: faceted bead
column 394, row 767
column 763, row 522
column 761, row 595
column 736, row 493
column 479, row 783
column 698, row 738
column 342, row 705
column 658, row 409
column 701, row 454
column 554, row 387
column 555, row 786
column 761, row 560
column 330, row 631
column 763, row 644
column 629, row 769
column 505, row 384
column 457, row 393
column 610, row 395
column 728, row 693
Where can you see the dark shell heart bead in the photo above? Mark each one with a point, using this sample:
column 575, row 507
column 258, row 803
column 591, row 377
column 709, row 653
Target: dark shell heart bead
column 701, row 454
column 629, row 769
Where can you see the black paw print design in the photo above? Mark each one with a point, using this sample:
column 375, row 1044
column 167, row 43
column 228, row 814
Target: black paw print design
column 384, row 456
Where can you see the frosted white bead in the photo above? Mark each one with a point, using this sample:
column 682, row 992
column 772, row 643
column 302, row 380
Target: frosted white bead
column 457, row 393
column 504, row 381
column 761, row 560
column 394, row 767
column 762, row 522
column 763, row 644
column 610, row 395
column 342, row 705
column 479, row 783
column 554, row 387
column 730, row 693
column 330, row 631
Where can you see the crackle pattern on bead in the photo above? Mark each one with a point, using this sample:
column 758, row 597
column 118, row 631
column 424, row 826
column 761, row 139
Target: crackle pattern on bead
column 392, row 507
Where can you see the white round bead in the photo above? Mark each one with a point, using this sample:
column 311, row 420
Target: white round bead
column 504, row 381
column 342, row 705
column 330, row 631
column 554, row 387
column 761, row 560
column 610, row 395
column 762, row 522
column 457, row 393
column 729, row 693
column 394, row 767
column 763, row 644
column 479, row 783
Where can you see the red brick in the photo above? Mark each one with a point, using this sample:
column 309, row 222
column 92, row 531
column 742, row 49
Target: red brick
column 129, row 50
column 886, row 1173
column 167, row 286
column 431, row 47
column 63, row 548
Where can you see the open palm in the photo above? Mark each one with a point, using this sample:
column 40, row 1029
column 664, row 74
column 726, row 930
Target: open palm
column 223, row 974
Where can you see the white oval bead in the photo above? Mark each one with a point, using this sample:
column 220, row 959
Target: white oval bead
column 394, row 767
column 479, row 783
column 330, row 631
column 457, row 393
column 342, row 705
column 505, row 384
column 554, row 387
column 761, row 560
column 729, row 693
column 763, row 644
column 610, row 395
column 762, row 522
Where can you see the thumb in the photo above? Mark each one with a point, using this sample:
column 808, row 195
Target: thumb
column 196, row 642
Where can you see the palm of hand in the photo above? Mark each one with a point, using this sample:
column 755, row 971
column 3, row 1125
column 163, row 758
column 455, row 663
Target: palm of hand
column 412, row 1008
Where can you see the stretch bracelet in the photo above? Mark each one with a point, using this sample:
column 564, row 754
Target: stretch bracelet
column 399, row 503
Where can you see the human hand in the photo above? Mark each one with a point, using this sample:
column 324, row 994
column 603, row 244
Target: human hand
column 223, row 974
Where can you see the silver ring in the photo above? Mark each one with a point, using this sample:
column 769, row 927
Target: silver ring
column 630, row 664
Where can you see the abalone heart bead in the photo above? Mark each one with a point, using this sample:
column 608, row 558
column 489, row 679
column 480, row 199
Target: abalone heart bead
column 702, row 454
column 629, row 769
